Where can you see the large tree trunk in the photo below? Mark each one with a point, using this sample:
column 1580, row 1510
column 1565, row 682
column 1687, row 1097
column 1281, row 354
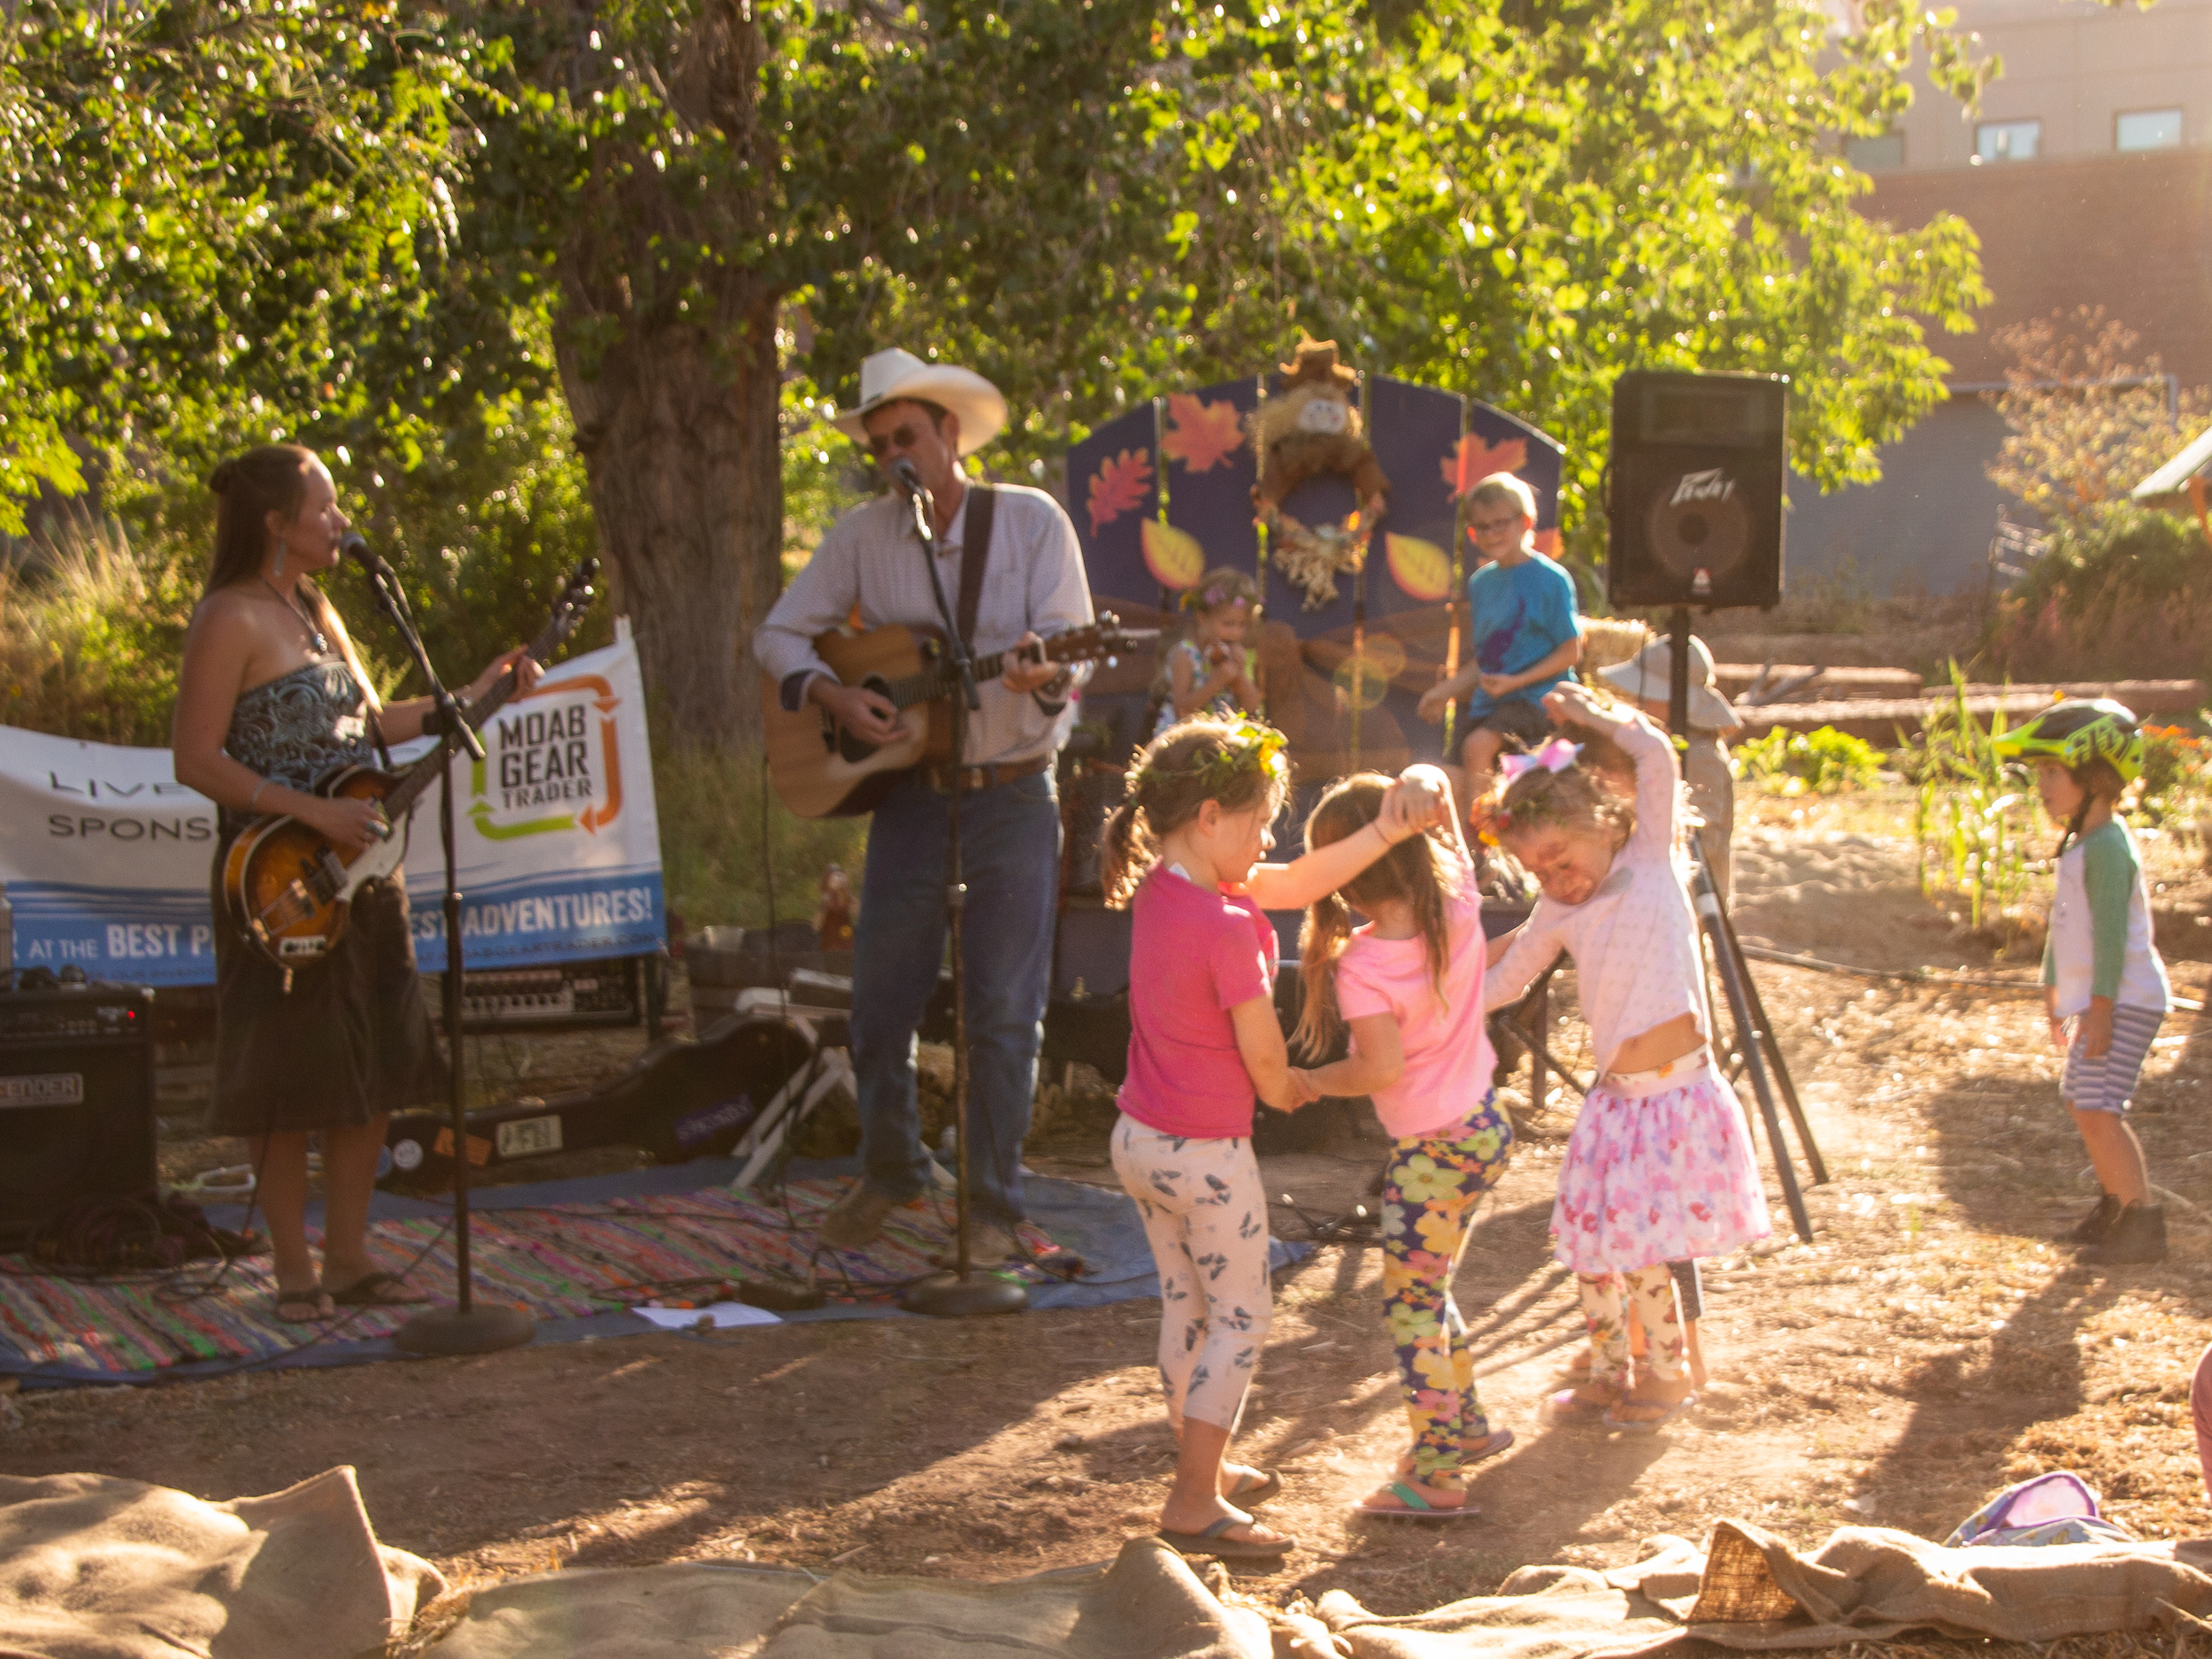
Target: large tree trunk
column 681, row 445
column 669, row 363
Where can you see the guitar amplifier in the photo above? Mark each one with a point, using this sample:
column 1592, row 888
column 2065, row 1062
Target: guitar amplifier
column 604, row 993
column 76, row 1100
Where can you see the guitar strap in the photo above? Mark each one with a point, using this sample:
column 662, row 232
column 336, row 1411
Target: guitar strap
column 975, row 553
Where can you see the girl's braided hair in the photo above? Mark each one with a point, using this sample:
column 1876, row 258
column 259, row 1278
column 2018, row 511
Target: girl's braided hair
column 1238, row 764
column 1414, row 872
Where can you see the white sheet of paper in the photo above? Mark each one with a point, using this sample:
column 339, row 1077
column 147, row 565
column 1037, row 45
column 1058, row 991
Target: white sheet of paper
column 724, row 1314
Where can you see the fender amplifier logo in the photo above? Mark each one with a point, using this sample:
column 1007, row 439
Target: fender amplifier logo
column 50, row 1088
column 552, row 762
column 1711, row 485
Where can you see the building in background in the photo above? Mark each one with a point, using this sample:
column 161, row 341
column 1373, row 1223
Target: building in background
column 2086, row 173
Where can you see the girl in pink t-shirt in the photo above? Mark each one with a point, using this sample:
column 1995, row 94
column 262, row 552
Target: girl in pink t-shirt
column 1183, row 850
column 1409, row 985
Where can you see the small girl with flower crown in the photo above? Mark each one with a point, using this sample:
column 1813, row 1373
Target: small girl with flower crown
column 1659, row 1168
column 1214, row 672
column 1183, row 851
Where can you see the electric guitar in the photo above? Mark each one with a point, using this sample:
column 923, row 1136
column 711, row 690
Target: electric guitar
column 290, row 891
column 821, row 770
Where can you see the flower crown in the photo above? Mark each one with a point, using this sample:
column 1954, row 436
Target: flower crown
column 1213, row 598
column 1250, row 748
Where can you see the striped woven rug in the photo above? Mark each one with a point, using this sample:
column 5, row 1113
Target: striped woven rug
column 560, row 1261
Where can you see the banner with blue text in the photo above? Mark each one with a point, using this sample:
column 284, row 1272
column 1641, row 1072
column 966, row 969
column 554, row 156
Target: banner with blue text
column 107, row 857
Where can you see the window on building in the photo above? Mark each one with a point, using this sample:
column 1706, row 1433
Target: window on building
column 2148, row 129
column 2008, row 140
column 1883, row 153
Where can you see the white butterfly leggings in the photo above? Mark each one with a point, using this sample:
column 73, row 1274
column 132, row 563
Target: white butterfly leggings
column 1205, row 1214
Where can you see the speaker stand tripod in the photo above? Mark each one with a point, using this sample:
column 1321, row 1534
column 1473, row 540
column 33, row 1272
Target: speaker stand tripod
column 1760, row 1054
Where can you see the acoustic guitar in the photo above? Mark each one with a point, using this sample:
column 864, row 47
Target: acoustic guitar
column 821, row 770
column 291, row 890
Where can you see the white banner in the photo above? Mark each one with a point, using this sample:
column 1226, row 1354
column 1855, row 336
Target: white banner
column 107, row 856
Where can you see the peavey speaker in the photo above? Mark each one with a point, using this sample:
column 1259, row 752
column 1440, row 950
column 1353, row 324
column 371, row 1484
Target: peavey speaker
column 1699, row 465
column 76, row 1100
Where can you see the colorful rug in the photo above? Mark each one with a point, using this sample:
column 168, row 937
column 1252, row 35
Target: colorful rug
column 577, row 1254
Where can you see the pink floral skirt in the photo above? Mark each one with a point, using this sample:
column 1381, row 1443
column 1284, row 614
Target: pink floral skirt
column 1657, row 1174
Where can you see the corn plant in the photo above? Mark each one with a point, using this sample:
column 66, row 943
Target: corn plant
column 1966, row 837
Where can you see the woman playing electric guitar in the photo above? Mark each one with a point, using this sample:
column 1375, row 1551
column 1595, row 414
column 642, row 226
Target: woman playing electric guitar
column 272, row 696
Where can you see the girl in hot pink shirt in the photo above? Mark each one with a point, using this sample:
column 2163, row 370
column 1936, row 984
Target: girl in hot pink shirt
column 1408, row 985
column 1183, row 850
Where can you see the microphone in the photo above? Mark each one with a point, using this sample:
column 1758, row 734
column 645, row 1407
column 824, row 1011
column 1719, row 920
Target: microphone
column 908, row 480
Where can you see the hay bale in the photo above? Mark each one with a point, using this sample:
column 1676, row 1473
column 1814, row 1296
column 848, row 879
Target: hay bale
column 1608, row 641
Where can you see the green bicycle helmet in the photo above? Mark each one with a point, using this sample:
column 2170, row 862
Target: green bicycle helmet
column 2075, row 733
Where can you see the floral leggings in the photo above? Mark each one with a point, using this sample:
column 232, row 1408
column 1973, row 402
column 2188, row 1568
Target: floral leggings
column 1428, row 1199
column 1651, row 1301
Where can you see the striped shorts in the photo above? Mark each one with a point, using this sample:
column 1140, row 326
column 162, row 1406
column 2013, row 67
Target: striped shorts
column 2104, row 1084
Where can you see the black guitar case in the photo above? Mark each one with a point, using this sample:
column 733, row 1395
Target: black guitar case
column 682, row 1098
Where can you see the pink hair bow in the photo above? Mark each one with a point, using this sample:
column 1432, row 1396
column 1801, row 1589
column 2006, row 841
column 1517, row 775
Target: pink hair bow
column 1554, row 757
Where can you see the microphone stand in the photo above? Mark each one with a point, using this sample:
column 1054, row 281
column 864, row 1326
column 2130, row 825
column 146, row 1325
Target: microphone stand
column 960, row 1293
column 463, row 1328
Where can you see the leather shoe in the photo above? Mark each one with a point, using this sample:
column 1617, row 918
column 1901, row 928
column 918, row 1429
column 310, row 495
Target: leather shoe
column 988, row 1245
column 856, row 1218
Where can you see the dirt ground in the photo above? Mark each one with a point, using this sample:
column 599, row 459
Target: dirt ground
column 1929, row 1345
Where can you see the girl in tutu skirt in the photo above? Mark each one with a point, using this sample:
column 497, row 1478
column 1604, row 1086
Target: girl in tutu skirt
column 1659, row 1167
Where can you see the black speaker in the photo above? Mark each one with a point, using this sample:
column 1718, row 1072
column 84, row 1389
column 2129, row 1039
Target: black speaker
column 76, row 1101
column 1696, row 506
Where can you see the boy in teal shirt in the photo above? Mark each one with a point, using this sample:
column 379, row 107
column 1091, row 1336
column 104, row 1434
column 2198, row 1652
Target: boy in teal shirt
column 1524, row 629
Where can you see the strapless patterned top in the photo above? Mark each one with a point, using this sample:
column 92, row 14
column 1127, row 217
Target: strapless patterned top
column 299, row 726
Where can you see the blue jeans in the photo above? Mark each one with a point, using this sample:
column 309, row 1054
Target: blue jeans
column 1010, row 857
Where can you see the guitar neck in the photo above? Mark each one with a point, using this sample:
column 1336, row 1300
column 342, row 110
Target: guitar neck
column 425, row 771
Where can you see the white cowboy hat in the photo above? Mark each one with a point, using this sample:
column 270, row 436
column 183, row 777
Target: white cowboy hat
column 1647, row 677
column 894, row 376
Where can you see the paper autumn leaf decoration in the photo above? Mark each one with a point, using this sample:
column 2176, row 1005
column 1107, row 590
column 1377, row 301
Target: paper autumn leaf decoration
column 1477, row 459
column 1200, row 433
column 1119, row 484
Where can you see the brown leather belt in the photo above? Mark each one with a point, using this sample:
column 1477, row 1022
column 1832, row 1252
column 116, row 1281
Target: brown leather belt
column 972, row 777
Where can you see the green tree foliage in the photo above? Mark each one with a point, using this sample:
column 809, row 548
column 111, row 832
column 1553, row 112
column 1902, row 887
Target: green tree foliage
column 673, row 177
column 2087, row 422
column 395, row 234
column 214, row 218
column 1521, row 199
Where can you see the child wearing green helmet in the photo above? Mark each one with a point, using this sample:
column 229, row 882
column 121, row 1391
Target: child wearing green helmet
column 2101, row 973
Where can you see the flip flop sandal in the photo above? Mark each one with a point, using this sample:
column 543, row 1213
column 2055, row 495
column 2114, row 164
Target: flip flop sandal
column 1214, row 1541
column 1411, row 1506
column 313, row 1296
column 368, row 1291
column 1563, row 1408
column 1499, row 1440
column 1259, row 1491
column 1648, row 1426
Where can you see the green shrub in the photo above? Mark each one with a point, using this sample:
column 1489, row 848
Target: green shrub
column 1821, row 761
column 713, row 829
column 91, row 629
column 2130, row 556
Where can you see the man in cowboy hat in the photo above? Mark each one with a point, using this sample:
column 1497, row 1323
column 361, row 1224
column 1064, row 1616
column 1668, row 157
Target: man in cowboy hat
column 1646, row 680
column 1012, row 555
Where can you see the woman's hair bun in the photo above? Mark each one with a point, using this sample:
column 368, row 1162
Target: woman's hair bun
column 225, row 474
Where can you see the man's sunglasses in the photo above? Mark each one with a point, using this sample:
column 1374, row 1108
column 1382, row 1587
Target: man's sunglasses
column 900, row 437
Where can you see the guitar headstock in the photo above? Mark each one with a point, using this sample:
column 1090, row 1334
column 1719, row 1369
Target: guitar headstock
column 567, row 611
column 1105, row 639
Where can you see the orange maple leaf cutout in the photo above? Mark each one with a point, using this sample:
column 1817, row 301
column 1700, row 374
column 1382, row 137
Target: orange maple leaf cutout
column 1200, row 433
column 1476, row 460
column 1119, row 485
